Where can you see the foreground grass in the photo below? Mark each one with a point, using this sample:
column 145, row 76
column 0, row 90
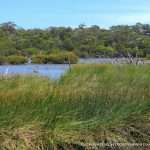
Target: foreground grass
column 92, row 104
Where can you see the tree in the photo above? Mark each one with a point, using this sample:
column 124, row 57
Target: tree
column 8, row 27
column 84, row 41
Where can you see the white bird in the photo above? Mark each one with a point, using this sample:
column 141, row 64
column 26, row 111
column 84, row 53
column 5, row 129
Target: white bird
column 6, row 72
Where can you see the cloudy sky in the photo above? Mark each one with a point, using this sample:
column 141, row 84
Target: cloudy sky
column 46, row 13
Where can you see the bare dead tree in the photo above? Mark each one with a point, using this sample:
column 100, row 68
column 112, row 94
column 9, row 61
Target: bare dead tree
column 130, row 57
column 132, row 60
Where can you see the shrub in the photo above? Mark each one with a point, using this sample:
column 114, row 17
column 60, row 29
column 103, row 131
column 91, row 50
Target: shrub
column 56, row 58
column 63, row 58
column 3, row 60
column 148, row 56
column 40, row 59
column 30, row 51
column 17, row 60
column 105, row 51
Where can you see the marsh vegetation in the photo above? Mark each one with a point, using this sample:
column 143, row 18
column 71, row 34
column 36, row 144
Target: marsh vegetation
column 91, row 104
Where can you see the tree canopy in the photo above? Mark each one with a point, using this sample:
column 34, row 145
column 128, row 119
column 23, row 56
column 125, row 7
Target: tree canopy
column 83, row 41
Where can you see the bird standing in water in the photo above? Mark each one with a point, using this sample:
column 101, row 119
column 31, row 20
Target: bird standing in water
column 6, row 72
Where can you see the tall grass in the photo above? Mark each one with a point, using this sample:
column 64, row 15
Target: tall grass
column 92, row 103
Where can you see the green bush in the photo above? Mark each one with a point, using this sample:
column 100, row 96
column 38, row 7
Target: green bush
column 30, row 51
column 17, row 60
column 40, row 59
column 104, row 51
column 63, row 58
column 148, row 56
column 3, row 60
column 56, row 58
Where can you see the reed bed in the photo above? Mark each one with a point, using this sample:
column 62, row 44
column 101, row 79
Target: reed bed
column 91, row 104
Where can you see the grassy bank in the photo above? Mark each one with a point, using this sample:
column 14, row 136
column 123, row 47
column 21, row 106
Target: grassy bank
column 92, row 104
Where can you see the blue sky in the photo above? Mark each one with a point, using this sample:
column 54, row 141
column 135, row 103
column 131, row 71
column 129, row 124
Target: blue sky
column 46, row 13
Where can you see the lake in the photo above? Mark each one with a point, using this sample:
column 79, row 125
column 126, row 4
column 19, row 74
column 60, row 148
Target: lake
column 50, row 70
column 53, row 71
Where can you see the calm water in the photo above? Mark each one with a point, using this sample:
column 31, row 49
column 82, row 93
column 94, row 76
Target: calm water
column 101, row 60
column 53, row 71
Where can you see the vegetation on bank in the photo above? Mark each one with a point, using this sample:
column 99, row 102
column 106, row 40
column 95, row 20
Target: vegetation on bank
column 56, row 58
column 15, row 60
column 3, row 60
column 148, row 56
column 91, row 104
column 84, row 41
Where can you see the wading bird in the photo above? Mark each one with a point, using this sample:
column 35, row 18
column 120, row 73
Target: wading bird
column 6, row 72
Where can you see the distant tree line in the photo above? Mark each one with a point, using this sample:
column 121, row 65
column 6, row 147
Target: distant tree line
column 84, row 41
